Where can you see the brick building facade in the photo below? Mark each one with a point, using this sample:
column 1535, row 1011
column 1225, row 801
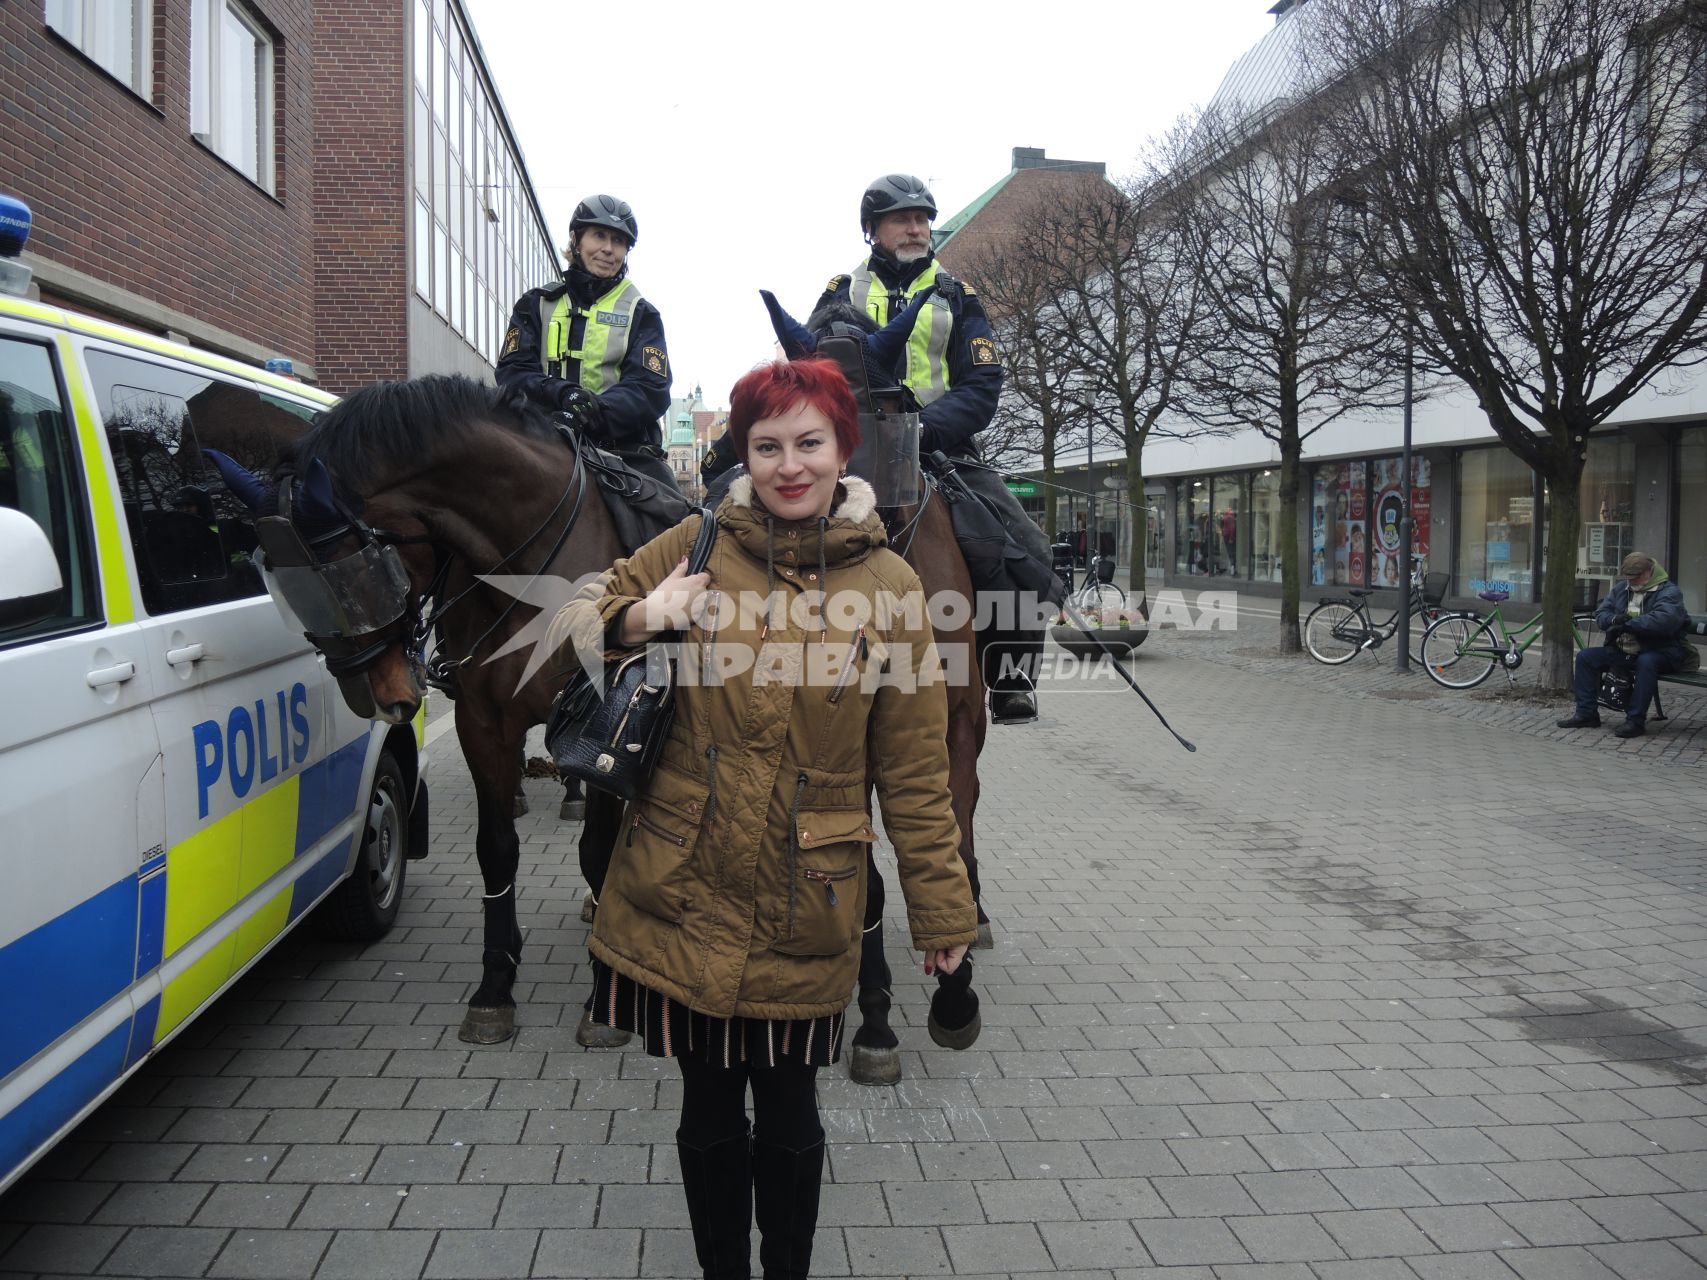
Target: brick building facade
column 379, row 224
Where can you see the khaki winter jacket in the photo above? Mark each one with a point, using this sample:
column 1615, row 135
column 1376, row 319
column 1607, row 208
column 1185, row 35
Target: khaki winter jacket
column 738, row 883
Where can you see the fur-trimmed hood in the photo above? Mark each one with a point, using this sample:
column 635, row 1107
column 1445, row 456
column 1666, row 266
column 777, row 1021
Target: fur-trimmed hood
column 851, row 532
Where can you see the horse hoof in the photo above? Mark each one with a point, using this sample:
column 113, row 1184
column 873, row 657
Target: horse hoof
column 986, row 937
column 957, row 1038
column 594, row 1035
column 589, row 906
column 487, row 1026
column 874, row 1066
column 520, row 807
column 572, row 810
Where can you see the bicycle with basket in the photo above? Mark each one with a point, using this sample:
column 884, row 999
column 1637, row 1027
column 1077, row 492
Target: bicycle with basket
column 1340, row 628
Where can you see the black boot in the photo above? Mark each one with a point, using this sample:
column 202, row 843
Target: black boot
column 785, row 1203
column 718, row 1183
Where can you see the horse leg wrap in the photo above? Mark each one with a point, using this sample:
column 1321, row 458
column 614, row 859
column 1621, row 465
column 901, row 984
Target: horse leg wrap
column 876, row 1055
column 954, row 1022
column 491, row 1015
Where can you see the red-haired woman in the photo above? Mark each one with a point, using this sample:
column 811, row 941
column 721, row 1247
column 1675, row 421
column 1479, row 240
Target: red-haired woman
column 728, row 930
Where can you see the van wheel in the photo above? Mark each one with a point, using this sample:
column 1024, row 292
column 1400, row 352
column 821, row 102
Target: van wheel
column 364, row 907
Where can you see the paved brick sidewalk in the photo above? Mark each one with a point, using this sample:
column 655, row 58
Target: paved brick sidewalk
column 1361, row 990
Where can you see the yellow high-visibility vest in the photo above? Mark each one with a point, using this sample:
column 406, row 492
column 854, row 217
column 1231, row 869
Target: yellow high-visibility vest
column 604, row 338
column 927, row 344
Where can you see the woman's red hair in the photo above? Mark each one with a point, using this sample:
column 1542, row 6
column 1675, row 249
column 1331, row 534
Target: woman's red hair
column 771, row 390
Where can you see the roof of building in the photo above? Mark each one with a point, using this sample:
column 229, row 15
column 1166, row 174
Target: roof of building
column 1264, row 78
column 1023, row 158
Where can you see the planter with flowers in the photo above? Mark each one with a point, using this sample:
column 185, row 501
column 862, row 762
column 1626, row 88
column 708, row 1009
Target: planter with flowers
column 1115, row 631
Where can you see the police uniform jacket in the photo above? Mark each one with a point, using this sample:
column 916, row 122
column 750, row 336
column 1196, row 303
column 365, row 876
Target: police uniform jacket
column 738, row 882
column 974, row 372
column 641, row 394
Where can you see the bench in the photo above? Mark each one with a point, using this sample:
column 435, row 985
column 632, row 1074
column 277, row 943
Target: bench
column 1694, row 679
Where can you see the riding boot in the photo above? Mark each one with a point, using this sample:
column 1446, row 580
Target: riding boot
column 786, row 1184
column 876, row 1056
column 954, row 1022
column 718, row 1183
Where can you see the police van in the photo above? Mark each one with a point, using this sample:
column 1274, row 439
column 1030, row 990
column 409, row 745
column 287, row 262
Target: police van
column 180, row 781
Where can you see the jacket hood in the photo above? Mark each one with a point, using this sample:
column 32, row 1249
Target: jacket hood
column 851, row 530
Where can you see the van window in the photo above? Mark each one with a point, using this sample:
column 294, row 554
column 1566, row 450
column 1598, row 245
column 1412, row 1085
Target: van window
column 192, row 536
column 42, row 476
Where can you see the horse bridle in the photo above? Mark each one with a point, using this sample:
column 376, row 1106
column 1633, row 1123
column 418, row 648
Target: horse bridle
column 411, row 617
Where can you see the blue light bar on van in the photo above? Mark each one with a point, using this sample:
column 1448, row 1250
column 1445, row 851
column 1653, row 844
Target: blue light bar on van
column 14, row 226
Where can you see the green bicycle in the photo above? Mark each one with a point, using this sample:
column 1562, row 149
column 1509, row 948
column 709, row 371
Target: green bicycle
column 1459, row 651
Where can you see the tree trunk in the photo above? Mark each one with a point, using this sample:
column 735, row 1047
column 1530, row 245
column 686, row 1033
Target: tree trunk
column 1050, row 521
column 1140, row 526
column 1559, row 585
column 1291, row 568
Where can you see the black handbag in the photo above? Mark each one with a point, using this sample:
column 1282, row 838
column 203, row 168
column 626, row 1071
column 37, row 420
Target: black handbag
column 611, row 739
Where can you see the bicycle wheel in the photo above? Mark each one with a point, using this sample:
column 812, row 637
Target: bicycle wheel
column 1334, row 633
column 1459, row 651
column 1422, row 618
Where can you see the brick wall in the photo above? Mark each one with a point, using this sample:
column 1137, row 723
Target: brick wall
column 120, row 190
column 361, row 193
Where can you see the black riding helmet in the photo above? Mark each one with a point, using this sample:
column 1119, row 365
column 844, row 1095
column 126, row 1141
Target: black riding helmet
column 894, row 193
column 605, row 211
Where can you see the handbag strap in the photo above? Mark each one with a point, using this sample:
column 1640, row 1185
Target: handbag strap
column 698, row 558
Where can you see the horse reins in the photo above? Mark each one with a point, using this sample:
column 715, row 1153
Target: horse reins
column 441, row 671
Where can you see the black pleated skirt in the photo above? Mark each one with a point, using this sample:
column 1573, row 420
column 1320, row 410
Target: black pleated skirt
column 672, row 1030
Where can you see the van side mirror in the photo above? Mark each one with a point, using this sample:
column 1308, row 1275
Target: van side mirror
column 30, row 585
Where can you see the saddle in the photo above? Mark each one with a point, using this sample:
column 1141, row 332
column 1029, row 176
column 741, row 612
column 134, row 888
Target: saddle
column 639, row 506
column 994, row 559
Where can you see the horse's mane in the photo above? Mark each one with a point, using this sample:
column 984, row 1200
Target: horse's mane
column 373, row 433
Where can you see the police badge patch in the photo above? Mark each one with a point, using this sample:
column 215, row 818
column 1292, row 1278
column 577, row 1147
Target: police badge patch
column 655, row 359
column 512, row 340
column 984, row 351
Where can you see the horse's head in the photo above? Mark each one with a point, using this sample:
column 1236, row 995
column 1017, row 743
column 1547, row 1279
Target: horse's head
column 356, row 591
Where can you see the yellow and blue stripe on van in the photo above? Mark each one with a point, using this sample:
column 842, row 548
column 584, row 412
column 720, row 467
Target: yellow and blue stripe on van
column 61, row 974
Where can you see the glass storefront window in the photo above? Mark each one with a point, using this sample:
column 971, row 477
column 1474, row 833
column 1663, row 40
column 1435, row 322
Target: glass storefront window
column 1191, row 542
column 1226, row 533
column 1267, row 538
column 1608, row 498
column 1386, row 501
column 1153, row 538
column 1496, row 524
column 1339, row 521
column 1690, row 571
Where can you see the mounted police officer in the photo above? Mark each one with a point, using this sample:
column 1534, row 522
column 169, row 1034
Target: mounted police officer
column 589, row 346
column 953, row 368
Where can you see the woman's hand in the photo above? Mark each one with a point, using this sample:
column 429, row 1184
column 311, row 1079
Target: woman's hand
column 672, row 604
column 947, row 959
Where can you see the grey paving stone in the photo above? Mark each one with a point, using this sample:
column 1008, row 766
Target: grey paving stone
column 1178, row 1242
column 248, row 1205
column 1204, row 1197
column 52, row 1246
column 555, row 1207
column 165, row 1251
column 376, row 1255
column 997, row 1247
column 431, row 1208
column 903, row 1251
column 1567, row 1263
column 1465, row 1228
column 1375, row 1233
column 1080, row 1245
column 482, row 1255
column 576, row 1253
column 1285, row 1238
column 146, row 1204
column 1648, row 1260
column 271, row 1255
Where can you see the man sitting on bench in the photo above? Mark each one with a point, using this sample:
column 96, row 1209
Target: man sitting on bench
column 1644, row 620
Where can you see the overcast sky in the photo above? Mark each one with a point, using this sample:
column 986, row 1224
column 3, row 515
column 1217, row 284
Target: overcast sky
column 744, row 133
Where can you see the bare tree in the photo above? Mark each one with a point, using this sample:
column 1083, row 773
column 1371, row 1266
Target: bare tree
column 1123, row 303
column 1534, row 180
column 1038, row 403
column 1287, row 343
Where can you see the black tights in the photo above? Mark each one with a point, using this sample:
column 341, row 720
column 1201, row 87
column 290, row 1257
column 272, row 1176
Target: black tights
column 785, row 1104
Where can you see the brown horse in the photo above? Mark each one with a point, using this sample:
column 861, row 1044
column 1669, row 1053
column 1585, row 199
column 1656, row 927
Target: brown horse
column 462, row 481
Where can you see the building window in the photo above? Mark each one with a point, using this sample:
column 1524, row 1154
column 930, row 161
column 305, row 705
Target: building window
column 1267, row 535
column 1690, row 571
column 1496, row 524
column 1386, row 501
column 1192, row 536
column 1607, row 502
column 114, row 34
column 231, row 87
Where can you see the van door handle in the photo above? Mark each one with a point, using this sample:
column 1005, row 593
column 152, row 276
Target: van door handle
column 189, row 653
column 100, row 677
